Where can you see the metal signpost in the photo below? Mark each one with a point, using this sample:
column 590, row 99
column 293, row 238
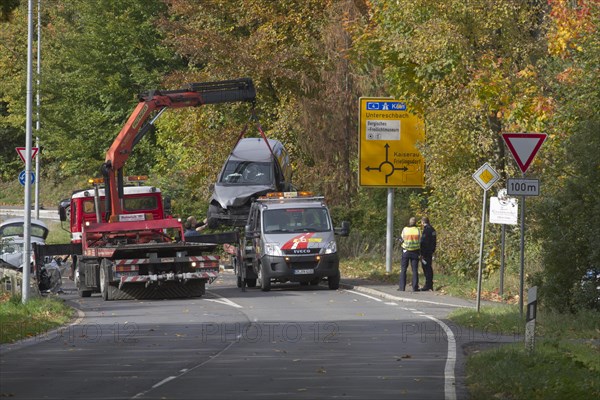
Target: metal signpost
column 485, row 176
column 503, row 210
column 27, row 157
column 388, row 156
column 524, row 147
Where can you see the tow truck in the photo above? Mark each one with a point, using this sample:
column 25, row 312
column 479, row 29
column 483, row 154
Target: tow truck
column 126, row 253
column 289, row 237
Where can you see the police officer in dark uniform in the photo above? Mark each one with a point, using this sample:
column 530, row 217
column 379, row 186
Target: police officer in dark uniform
column 428, row 245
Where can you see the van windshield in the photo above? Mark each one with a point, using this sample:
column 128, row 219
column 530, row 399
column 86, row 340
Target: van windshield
column 247, row 172
column 296, row 220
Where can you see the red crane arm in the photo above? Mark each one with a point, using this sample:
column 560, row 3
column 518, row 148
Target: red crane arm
column 194, row 95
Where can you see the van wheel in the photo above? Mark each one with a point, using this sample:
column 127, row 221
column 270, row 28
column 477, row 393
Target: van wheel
column 265, row 283
column 334, row 281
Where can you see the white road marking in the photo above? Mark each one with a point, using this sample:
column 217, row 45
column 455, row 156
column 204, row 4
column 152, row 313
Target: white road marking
column 185, row 371
column 223, row 300
column 449, row 377
column 364, row 295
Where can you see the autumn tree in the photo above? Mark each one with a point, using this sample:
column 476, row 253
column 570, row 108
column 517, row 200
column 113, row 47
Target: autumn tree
column 569, row 220
column 97, row 57
column 13, row 74
column 470, row 69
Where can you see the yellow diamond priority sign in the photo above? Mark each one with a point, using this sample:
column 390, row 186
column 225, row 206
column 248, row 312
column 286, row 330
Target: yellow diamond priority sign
column 486, row 176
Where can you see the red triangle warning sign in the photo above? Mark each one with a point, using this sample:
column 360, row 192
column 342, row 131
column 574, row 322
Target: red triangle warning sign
column 524, row 147
column 21, row 151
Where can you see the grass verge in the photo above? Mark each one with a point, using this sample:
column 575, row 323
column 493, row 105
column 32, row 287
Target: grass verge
column 374, row 270
column 38, row 315
column 565, row 363
column 554, row 370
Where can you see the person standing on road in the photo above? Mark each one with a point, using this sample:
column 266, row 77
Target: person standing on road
column 411, row 243
column 428, row 244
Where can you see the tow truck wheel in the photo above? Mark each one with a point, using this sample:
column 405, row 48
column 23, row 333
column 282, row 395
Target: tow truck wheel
column 334, row 281
column 80, row 288
column 108, row 291
column 265, row 284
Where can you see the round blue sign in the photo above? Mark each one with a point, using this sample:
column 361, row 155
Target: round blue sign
column 22, row 178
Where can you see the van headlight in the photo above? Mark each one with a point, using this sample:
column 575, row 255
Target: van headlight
column 273, row 249
column 330, row 248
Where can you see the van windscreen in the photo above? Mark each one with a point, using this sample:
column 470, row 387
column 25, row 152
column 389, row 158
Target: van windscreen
column 296, row 220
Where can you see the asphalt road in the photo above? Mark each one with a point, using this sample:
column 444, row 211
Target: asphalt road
column 292, row 342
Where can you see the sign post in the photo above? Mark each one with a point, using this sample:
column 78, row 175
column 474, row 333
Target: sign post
column 485, row 176
column 503, row 210
column 524, row 147
column 388, row 156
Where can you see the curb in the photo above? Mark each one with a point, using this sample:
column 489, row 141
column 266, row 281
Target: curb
column 387, row 296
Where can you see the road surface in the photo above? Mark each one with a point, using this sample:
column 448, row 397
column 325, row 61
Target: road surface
column 294, row 342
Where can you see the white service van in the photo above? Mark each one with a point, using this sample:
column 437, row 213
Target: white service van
column 290, row 238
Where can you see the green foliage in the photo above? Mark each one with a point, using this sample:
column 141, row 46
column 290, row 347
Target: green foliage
column 461, row 70
column 548, row 373
column 471, row 69
column 100, row 55
column 13, row 62
column 571, row 224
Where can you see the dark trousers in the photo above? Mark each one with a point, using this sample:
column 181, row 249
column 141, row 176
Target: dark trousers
column 413, row 258
column 427, row 265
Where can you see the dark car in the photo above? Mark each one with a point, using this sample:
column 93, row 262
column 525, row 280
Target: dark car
column 252, row 169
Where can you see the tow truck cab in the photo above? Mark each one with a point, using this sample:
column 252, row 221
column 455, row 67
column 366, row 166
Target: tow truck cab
column 293, row 239
column 137, row 200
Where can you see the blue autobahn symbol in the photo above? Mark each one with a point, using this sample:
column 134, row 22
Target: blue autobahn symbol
column 386, row 106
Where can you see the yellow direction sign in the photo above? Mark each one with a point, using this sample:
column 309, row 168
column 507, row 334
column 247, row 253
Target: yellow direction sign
column 388, row 134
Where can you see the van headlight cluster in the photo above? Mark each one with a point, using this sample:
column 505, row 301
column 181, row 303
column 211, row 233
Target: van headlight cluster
column 273, row 249
column 330, row 248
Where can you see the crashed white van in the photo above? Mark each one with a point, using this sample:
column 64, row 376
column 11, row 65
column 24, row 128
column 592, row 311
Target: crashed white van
column 11, row 239
column 290, row 238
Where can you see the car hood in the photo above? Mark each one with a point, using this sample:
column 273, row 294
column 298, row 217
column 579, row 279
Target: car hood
column 238, row 195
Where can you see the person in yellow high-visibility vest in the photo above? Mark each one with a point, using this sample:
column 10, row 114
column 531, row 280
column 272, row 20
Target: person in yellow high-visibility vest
column 411, row 244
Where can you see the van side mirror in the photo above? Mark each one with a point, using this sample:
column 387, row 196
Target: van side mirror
column 167, row 205
column 344, row 230
column 62, row 209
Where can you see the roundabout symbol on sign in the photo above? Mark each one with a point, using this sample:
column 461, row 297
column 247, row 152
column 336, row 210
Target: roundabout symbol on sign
column 22, row 178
